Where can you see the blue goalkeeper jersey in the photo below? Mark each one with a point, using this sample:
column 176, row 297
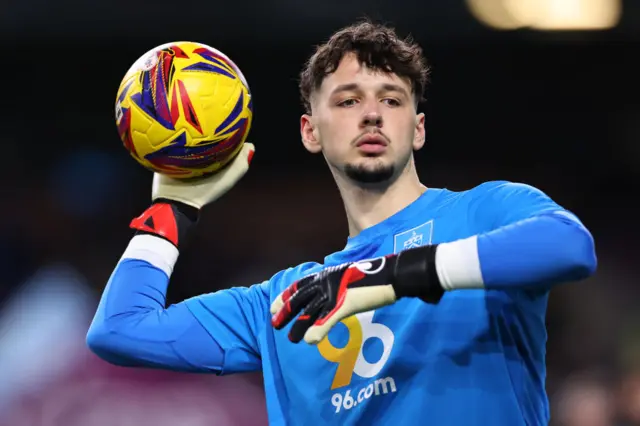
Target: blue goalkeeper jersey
column 475, row 358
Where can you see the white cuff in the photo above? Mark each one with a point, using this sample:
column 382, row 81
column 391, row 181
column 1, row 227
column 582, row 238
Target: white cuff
column 458, row 264
column 155, row 250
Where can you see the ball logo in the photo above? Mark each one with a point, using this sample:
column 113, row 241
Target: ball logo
column 146, row 62
column 149, row 62
column 119, row 112
column 350, row 358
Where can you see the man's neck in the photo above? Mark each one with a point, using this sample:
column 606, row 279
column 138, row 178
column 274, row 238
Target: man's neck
column 366, row 207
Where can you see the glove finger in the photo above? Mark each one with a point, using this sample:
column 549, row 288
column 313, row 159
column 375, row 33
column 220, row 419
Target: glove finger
column 248, row 149
column 293, row 300
column 286, row 294
column 323, row 323
column 304, row 321
column 357, row 300
column 206, row 189
column 222, row 181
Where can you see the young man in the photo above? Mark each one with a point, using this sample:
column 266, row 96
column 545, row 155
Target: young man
column 440, row 295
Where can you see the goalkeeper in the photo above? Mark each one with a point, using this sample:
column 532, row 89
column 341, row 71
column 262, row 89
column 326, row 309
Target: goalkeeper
column 434, row 311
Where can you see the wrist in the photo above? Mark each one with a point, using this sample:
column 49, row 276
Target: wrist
column 458, row 265
column 415, row 274
column 167, row 219
column 190, row 212
column 154, row 250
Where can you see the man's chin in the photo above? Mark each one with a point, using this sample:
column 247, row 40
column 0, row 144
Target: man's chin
column 370, row 174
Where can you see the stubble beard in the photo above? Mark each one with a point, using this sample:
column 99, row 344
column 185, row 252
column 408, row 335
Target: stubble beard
column 367, row 175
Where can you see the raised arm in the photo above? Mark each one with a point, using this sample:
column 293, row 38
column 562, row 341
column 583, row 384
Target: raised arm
column 214, row 332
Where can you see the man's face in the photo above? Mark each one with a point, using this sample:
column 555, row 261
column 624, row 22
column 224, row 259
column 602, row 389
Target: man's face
column 364, row 122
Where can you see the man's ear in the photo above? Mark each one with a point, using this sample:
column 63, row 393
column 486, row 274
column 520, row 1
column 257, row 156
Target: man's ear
column 419, row 132
column 309, row 134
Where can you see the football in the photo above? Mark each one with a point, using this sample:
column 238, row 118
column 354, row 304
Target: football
column 184, row 110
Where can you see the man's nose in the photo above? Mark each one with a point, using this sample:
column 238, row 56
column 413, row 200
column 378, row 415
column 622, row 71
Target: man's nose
column 371, row 119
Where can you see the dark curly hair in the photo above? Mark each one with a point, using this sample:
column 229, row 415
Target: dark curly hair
column 377, row 46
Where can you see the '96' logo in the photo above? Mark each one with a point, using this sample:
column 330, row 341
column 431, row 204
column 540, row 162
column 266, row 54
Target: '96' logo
column 351, row 360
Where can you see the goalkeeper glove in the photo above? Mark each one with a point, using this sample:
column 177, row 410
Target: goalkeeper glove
column 176, row 203
column 327, row 297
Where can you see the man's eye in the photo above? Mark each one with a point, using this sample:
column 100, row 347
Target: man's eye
column 347, row 103
column 391, row 101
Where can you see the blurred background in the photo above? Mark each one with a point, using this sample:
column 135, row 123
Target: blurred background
column 538, row 91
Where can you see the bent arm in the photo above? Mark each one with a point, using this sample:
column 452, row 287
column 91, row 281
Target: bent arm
column 534, row 253
column 133, row 328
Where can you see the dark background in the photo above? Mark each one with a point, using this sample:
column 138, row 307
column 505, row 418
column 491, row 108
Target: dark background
column 559, row 110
